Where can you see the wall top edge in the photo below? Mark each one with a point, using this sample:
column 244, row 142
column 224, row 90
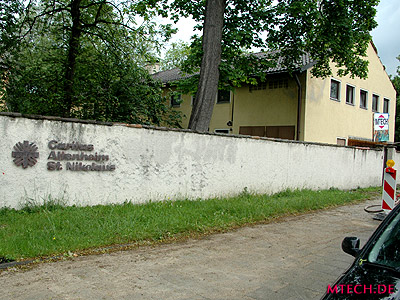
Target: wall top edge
column 150, row 127
column 51, row 118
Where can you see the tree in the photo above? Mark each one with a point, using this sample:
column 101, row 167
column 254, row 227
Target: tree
column 175, row 55
column 81, row 58
column 8, row 27
column 209, row 71
column 328, row 30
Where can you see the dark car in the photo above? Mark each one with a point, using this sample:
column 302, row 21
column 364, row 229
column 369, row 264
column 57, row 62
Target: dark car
column 375, row 273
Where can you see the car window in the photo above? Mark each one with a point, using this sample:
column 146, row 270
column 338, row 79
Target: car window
column 386, row 250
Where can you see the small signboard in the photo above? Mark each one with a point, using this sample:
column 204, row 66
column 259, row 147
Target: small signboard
column 381, row 127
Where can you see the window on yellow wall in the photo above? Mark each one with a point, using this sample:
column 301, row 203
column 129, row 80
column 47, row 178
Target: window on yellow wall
column 385, row 106
column 278, row 84
column 225, row 131
column 335, row 90
column 363, row 99
column 350, row 94
column 193, row 98
column 223, row 96
column 375, row 103
column 260, row 86
column 341, row 141
column 176, row 100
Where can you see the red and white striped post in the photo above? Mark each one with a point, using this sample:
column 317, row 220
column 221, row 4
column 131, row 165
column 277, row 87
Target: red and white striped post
column 389, row 187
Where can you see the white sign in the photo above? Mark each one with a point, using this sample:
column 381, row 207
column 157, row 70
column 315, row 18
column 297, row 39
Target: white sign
column 381, row 121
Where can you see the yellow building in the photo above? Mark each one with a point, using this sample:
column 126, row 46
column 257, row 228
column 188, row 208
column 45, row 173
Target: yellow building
column 335, row 110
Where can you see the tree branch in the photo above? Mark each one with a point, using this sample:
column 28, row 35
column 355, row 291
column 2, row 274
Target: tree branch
column 93, row 4
column 45, row 13
column 96, row 22
column 103, row 38
column 102, row 3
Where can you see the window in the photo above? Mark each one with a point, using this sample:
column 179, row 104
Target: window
column 226, row 131
column 385, row 106
column 335, row 90
column 385, row 248
column 278, row 84
column 260, row 86
column 176, row 100
column 375, row 103
column 341, row 141
column 224, row 96
column 193, row 97
column 363, row 99
column 350, row 94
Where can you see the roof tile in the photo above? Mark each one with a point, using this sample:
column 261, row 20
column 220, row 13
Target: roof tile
column 176, row 74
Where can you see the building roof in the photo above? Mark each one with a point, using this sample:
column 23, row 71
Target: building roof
column 171, row 75
column 305, row 62
column 176, row 74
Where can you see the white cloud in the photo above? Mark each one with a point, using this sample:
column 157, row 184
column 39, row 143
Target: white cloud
column 387, row 35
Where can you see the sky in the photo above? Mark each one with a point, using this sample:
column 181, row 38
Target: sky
column 386, row 36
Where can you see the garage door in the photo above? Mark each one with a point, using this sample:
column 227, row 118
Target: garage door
column 281, row 132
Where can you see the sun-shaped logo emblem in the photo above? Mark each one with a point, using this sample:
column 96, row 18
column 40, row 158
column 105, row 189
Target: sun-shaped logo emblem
column 25, row 154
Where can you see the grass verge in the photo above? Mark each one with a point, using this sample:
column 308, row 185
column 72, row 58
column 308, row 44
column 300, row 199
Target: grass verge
column 52, row 229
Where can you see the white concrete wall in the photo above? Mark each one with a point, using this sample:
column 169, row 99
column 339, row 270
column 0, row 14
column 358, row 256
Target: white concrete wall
column 152, row 164
column 395, row 155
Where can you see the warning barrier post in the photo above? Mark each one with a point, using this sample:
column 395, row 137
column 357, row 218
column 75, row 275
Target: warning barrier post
column 389, row 187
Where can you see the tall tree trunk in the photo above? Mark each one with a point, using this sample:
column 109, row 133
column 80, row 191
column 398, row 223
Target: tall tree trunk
column 73, row 48
column 209, row 73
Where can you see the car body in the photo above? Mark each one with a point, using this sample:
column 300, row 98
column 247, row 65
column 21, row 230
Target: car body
column 375, row 272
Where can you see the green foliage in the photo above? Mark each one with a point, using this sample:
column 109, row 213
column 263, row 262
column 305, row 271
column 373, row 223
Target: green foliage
column 47, row 204
column 53, row 229
column 8, row 27
column 96, row 74
column 175, row 55
column 337, row 31
column 328, row 30
column 33, row 83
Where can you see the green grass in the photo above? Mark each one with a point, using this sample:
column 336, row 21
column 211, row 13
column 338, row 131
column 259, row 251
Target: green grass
column 51, row 229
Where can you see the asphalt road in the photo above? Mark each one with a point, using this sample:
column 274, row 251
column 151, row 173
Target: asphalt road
column 295, row 258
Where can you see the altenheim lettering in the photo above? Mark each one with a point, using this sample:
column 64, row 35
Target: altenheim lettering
column 73, row 159
column 61, row 155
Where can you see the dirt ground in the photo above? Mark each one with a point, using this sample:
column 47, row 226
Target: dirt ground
column 295, row 258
